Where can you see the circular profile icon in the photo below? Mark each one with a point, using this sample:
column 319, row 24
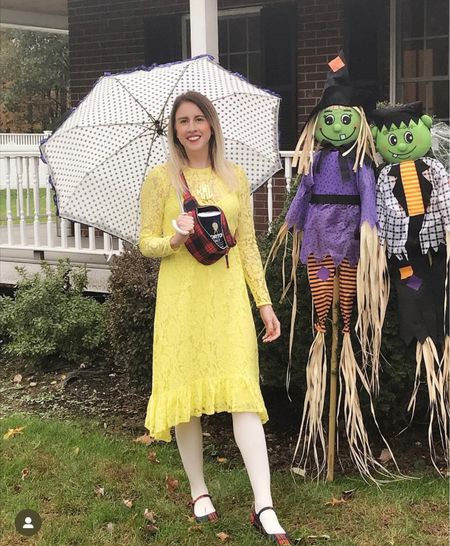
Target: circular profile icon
column 28, row 522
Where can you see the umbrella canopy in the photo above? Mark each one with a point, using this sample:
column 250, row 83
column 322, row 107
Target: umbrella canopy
column 100, row 156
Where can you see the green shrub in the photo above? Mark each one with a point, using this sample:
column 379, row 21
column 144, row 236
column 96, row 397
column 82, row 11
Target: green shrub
column 274, row 357
column 49, row 318
column 131, row 310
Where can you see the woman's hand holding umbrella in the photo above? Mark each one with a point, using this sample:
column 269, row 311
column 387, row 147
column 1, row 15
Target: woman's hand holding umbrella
column 184, row 226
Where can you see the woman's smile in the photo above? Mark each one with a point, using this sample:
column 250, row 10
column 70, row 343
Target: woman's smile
column 192, row 128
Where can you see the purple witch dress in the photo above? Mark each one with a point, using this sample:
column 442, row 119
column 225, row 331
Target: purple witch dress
column 331, row 203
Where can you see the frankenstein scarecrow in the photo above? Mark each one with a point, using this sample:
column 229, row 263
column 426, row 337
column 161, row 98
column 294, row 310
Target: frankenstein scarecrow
column 413, row 206
column 332, row 219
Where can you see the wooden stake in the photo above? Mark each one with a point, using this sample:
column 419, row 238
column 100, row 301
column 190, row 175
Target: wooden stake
column 333, row 381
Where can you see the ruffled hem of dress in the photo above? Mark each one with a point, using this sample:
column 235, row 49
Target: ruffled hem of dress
column 205, row 397
column 337, row 257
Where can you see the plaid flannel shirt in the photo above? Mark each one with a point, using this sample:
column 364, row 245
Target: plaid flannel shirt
column 393, row 221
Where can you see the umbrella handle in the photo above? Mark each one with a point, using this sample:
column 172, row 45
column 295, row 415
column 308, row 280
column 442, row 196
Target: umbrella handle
column 177, row 229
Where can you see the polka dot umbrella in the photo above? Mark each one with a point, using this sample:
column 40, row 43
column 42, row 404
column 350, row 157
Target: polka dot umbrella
column 99, row 157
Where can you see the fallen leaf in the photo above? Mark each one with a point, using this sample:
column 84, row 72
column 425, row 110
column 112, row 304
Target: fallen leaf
column 151, row 456
column 17, row 378
column 25, row 473
column 33, row 384
column 99, row 491
column 347, row 495
column 145, row 439
column 149, row 515
column 313, row 537
column 298, row 471
column 13, row 432
column 171, row 483
column 128, row 503
column 197, row 528
column 76, row 450
column 151, row 529
column 385, row 455
column 223, row 536
column 222, row 460
column 334, row 501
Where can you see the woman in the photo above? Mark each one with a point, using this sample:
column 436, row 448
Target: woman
column 205, row 356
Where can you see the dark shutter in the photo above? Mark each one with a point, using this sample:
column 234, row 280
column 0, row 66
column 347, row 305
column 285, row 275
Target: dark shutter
column 162, row 39
column 366, row 40
column 278, row 29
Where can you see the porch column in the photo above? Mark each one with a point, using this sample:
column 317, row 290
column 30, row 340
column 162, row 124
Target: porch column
column 204, row 28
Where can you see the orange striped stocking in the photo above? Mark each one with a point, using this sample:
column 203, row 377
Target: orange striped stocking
column 321, row 275
column 347, row 291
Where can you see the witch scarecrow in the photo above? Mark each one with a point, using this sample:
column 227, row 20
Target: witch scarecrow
column 413, row 207
column 332, row 219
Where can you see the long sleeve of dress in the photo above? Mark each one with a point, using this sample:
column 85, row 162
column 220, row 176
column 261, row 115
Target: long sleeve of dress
column 296, row 215
column 367, row 192
column 247, row 246
column 152, row 242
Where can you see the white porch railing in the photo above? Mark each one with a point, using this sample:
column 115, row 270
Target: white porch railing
column 9, row 140
column 27, row 214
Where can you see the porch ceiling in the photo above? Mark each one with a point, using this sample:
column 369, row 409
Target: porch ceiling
column 45, row 15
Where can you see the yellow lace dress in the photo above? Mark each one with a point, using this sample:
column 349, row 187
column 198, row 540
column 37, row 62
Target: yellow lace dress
column 205, row 355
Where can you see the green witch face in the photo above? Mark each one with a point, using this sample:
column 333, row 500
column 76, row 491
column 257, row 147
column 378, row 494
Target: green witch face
column 338, row 125
column 407, row 142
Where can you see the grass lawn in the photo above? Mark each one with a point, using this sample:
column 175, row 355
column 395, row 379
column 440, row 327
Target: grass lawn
column 79, row 475
column 30, row 219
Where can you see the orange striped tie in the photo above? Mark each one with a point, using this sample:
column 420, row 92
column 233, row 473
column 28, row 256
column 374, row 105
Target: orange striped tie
column 411, row 187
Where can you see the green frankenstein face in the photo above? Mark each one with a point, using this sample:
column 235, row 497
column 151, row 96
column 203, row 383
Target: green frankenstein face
column 338, row 125
column 407, row 142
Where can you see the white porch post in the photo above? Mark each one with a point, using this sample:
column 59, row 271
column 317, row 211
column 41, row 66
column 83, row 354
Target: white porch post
column 204, row 28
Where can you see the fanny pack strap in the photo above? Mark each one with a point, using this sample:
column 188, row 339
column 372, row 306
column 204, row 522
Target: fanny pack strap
column 186, row 190
column 189, row 201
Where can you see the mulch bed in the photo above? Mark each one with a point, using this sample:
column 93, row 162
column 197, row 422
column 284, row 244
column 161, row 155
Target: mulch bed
column 105, row 396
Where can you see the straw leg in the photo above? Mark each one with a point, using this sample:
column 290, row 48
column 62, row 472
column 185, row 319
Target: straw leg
column 333, row 383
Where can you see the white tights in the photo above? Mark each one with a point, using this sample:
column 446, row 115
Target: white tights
column 250, row 439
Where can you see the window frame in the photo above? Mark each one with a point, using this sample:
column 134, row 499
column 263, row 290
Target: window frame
column 224, row 13
column 396, row 41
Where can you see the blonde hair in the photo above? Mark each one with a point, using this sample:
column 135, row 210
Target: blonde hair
column 306, row 145
column 177, row 154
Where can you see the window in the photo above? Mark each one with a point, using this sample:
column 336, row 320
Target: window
column 260, row 43
column 239, row 42
column 240, row 45
column 423, row 55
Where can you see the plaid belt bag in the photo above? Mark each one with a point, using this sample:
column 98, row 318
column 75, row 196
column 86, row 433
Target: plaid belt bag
column 212, row 237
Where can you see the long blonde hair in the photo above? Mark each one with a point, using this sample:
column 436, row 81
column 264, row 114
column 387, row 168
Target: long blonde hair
column 177, row 154
column 306, row 145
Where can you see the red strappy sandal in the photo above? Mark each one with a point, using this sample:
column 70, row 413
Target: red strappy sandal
column 282, row 539
column 212, row 517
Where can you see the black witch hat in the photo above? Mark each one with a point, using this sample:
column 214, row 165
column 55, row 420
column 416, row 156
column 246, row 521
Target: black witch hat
column 339, row 89
column 385, row 117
